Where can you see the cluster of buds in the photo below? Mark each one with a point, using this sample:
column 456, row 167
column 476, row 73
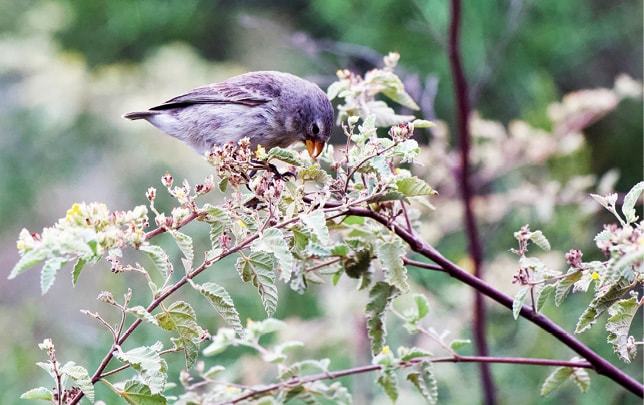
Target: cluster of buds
column 522, row 277
column 232, row 161
column 205, row 187
column 401, row 132
column 522, row 236
column 573, row 258
column 269, row 187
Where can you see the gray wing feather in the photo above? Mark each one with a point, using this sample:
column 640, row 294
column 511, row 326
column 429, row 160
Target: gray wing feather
column 251, row 89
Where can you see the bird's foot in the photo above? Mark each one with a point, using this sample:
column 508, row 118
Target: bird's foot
column 261, row 165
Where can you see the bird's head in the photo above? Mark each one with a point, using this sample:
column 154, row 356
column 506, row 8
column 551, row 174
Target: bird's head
column 316, row 121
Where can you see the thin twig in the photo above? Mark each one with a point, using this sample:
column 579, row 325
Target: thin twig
column 422, row 265
column 323, row 264
column 298, row 381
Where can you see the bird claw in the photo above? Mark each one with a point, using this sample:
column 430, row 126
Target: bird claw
column 261, row 165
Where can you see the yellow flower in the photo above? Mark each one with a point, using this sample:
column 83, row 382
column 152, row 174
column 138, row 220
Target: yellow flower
column 74, row 211
column 385, row 350
column 260, row 152
column 595, row 275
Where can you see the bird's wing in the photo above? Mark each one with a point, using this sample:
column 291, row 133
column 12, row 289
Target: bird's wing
column 251, row 89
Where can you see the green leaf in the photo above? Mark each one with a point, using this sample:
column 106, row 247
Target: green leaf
column 41, row 393
column 28, row 260
column 181, row 318
column 621, row 315
column 395, row 90
column 423, row 124
column 380, row 297
column 389, row 383
column 136, row 393
column 413, row 186
column 600, row 304
column 273, row 241
column 148, row 363
column 561, row 374
column 141, row 313
column 422, row 306
column 285, row 155
column 78, row 267
column 543, row 294
column 185, row 245
column 357, row 264
column 223, row 184
column 48, row 273
column 258, row 268
column 519, row 298
column 555, row 379
column 219, row 221
column 564, row 286
column 425, row 382
column 315, row 221
column 385, row 115
column 390, row 255
column 81, row 377
column 223, row 304
column 539, row 239
column 457, row 344
column 407, row 354
column 159, row 258
column 630, row 200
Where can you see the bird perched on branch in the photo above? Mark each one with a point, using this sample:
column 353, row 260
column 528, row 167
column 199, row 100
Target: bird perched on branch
column 270, row 108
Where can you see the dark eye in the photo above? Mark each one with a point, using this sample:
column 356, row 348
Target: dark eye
column 315, row 129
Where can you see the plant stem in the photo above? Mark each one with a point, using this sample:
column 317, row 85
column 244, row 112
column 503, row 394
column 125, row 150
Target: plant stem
column 461, row 97
column 601, row 365
column 295, row 381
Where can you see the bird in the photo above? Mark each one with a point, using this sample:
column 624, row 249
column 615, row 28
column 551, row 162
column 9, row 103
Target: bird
column 271, row 108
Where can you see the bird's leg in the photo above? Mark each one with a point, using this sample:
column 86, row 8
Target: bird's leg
column 262, row 165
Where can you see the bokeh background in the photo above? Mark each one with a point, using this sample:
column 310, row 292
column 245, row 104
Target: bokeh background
column 69, row 69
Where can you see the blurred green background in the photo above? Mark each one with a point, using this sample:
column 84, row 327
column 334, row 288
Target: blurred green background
column 69, row 69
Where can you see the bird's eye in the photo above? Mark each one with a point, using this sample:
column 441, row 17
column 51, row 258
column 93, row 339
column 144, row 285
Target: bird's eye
column 315, row 129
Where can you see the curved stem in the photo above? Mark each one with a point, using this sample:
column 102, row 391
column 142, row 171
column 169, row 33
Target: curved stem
column 296, row 381
column 461, row 97
column 601, row 365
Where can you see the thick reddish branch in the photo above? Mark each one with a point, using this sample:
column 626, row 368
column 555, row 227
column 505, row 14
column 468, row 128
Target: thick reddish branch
column 461, row 97
column 601, row 365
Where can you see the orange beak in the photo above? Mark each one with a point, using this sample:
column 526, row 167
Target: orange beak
column 314, row 148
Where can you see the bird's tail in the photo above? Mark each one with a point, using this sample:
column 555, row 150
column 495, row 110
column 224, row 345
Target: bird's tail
column 137, row 115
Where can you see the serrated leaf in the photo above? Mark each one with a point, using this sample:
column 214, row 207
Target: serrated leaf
column 389, row 383
column 219, row 221
column 519, row 298
column 561, row 374
column 76, row 271
column 599, row 305
column 413, row 186
column 181, row 318
column 258, row 268
column 273, row 241
column 185, row 245
column 390, row 255
column 407, row 354
column 380, row 297
column 141, row 313
column 555, row 379
column 48, row 273
column 539, row 239
column 136, row 393
column 223, row 184
column 148, row 363
column 630, row 200
column 223, row 304
column 564, row 285
column 543, row 294
column 425, row 382
column 285, row 155
column 315, row 221
column 41, row 393
column 28, row 260
column 621, row 315
column 159, row 258
column 81, row 377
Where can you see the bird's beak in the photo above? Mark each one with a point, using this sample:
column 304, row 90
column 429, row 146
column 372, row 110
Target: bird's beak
column 314, row 148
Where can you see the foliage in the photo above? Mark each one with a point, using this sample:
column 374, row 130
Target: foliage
column 344, row 209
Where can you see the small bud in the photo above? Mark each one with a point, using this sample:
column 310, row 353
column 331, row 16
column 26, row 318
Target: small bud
column 106, row 297
column 151, row 194
column 573, row 258
column 167, row 180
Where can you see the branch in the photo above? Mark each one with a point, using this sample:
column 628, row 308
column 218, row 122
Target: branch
column 297, row 381
column 461, row 96
column 600, row 365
